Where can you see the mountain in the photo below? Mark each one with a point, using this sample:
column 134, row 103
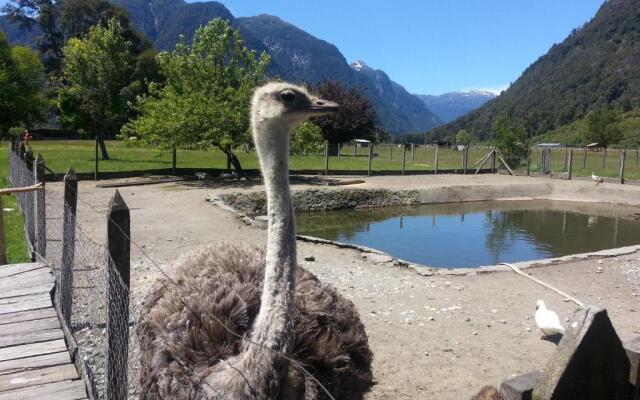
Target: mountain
column 595, row 66
column 296, row 55
column 450, row 106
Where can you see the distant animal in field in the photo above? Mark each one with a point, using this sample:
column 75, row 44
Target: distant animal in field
column 597, row 179
column 547, row 321
column 240, row 323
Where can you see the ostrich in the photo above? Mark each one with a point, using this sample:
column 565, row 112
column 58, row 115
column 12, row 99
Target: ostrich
column 229, row 325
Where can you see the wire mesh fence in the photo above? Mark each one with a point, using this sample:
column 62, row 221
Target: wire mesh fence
column 617, row 164
column 91, row 296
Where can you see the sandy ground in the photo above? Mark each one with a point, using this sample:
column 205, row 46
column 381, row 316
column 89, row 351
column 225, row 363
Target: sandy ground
column 433, row 337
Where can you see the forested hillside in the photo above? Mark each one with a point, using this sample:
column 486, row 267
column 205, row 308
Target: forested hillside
column 596, row 67
column 296, row 55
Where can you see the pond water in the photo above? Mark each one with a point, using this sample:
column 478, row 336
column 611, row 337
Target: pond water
column 456, row 235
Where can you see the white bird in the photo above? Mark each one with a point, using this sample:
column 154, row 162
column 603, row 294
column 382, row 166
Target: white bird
column 547, row 320
column 597, row 179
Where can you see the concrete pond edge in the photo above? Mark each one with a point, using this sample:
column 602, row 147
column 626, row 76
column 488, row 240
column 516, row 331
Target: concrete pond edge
column 380, row 257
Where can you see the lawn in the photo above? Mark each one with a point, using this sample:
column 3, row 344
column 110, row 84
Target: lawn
column 595, row 162
column 13, row 223
column 60, row 155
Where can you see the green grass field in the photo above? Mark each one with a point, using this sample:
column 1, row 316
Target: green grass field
column 13, row 222
column 595, row 163
column 60, row 155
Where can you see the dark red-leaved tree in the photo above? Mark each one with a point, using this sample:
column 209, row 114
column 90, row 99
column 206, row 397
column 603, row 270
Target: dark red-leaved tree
column 356, row 118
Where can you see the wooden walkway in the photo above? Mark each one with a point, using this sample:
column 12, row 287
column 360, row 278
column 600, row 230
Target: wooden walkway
column 34, row 359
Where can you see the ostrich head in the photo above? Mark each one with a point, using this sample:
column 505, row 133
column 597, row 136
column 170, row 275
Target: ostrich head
column 540, row 304
column 281, row 107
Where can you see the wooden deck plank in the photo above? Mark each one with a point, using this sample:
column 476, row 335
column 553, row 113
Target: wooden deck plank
column 39, row 361
column 65, row 390
column 31, row 337
column 30, row 350
column 29, row 283
column 40, row 275
column 38, row 377
column 25, row 306
column 26, row 275
column 30, row 326
column 30, row 315
column 14, row 269
column 26, row 297
column 43, row 288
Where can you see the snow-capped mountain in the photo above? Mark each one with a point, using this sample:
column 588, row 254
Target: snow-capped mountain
column 450, row 106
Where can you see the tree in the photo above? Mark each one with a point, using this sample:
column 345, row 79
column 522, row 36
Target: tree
column 602, row 127
column 307, row 139
column 511, row 139
column 60, row 20
column 21, row 99
column 206, row 94
column 96, row 73
column 462, row 137
column 45, row 15
column 356, row 118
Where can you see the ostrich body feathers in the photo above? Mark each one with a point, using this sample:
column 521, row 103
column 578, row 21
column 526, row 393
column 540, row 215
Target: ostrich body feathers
column 181, row 335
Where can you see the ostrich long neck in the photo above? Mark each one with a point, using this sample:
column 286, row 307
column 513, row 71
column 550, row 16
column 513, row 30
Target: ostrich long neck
column 273, row 327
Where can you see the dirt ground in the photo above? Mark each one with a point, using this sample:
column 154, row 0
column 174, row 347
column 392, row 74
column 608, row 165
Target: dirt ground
column 433, row 337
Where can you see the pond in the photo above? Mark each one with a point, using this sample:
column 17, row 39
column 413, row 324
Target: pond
column 456, row 235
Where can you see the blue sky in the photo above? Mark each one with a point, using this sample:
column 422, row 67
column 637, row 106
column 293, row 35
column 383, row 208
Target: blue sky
column 434, row 46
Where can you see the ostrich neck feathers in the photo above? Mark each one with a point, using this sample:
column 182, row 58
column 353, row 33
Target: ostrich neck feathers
column 273, row 327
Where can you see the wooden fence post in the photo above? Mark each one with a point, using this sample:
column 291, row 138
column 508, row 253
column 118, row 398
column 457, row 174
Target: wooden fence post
column 95, row 161
column 390, row 150
column 604, row 159
column 413, row 153
column 118, row 245
column 493, row 162
column 543, row 164
column 584, row 159
column 564, row 161
column 637, row 156
column 339, row 149
column 40, row 209
column 326, row 158
column 29, row 200
column 623, row 157
column 404, row 156
column 370, row 157
column 529, row 165
column 174, row 161
column 355, row 150
column 3, row 250
column 68, row 244
column 435, row 163
column 570, row 165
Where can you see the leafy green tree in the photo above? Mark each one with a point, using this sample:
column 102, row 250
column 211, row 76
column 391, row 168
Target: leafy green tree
column 21, row 99
column 307, row 139
column 510, row 137
column 356, row 118
column 205, row 98
column 96, row 73
column 45, row 15
column 602, row 127
column 462, row 137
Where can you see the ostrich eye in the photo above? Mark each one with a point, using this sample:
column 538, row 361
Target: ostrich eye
column 288, row 96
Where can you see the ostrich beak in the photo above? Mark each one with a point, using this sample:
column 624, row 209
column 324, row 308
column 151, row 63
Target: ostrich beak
column 322, row 107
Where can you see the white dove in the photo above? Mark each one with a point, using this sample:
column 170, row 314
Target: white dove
column 597, row 179
column 547, row 320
